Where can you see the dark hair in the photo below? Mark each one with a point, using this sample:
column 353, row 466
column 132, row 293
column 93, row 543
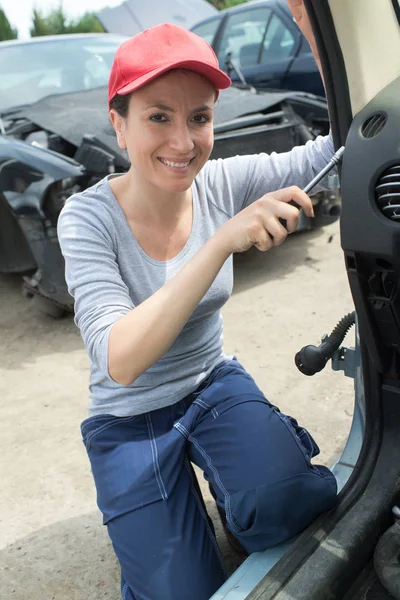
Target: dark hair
column 121, row 104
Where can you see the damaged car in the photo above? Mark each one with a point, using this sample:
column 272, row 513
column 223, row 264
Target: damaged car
column 56, row 139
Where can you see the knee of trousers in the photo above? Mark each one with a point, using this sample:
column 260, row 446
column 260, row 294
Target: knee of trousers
column 270, row 514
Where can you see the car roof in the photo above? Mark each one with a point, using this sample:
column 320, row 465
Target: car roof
column 61, row 37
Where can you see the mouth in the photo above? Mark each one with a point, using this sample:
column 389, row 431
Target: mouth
column 176, row 164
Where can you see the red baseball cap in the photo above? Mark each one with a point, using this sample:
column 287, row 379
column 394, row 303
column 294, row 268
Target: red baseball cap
column 158, row 49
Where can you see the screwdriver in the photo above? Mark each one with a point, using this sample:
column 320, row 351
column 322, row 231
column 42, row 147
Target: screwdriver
column 332, row 163
column 328, row 167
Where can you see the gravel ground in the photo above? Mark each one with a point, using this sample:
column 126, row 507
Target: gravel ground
column 52, row 543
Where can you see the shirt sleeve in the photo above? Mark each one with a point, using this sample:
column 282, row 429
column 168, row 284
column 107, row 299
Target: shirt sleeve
column 236, row 182
column 92, row 274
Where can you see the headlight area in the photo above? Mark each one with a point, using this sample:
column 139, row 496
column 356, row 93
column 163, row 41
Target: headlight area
column 57, row 194
column 39, row 138
column 47, row 285
column 35, row 207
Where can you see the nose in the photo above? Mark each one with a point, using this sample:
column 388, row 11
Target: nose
column 181, row 139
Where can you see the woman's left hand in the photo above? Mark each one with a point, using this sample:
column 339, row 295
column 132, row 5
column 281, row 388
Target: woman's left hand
column 300, row 15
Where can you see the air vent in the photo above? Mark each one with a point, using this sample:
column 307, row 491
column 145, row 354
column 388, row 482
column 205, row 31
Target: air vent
column 387, row 193
column 373, row 125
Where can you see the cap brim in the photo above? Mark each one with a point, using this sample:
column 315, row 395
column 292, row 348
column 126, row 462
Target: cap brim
column 215, row 76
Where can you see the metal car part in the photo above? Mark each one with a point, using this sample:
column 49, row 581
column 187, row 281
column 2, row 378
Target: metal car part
column 31, row 180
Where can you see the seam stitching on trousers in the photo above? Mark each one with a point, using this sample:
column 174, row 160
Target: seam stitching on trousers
column 201, row 403
column 92, row 435
column 124, row 590
column 308, row 436
column 217, row 478
column 205, row 518
column 299, row 442
column 182, row 429
column 156, row 464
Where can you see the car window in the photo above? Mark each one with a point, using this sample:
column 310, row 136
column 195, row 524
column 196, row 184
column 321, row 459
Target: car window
column 243, row 36
column 279, row 42
column 33, row 70
column 207, row 30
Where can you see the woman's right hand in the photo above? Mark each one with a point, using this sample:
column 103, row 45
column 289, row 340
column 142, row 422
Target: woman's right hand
column 259, row 225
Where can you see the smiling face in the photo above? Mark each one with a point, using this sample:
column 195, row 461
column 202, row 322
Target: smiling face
column 168, row 131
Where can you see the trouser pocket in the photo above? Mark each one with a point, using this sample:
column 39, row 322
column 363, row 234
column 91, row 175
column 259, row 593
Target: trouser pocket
column 125, row 463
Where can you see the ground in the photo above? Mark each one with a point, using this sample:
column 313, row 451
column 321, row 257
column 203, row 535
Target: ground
column 52, row 543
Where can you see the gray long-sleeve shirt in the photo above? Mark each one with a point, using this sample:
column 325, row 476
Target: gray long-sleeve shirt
column 108, row 273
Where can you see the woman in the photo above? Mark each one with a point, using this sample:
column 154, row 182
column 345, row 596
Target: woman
column 149, row 262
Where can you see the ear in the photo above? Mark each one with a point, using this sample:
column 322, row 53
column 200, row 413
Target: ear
column 119, row 125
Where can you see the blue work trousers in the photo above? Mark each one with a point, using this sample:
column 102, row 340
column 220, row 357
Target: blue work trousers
column 256, row 459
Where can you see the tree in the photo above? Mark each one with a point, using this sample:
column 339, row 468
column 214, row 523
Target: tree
column 56, row 22
column 39, row 25
column 221, row 4
column 6, row 31
column 88, row 23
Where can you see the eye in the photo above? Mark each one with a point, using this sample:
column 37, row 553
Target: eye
column 158, row 118
column 201, row 119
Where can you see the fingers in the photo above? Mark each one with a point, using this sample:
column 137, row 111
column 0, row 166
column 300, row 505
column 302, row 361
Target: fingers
column 273, row 212
column 270, row 232
column 277, row 231
column 290, row 214
column 296, row 194
column 262, row 240
column 295, row 5
column 269, row 220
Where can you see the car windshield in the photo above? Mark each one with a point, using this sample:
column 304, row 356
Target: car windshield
column 33, row 70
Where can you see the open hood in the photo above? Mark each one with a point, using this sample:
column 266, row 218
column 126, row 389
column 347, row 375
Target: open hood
column 60, row 114
column 133, row 16
column 73, row 115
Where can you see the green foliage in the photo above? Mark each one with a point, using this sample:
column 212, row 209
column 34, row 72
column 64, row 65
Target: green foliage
column 221, row 4
column 88, row 23
column 56, row 22
column 229, row 3
column 6, row 31
column 39, row 25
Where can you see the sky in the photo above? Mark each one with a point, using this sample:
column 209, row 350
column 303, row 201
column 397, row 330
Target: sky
column 19, row 12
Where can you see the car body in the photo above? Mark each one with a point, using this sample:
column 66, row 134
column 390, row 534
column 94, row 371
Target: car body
column 352, row 552
column 265, row 45
column 61, row 141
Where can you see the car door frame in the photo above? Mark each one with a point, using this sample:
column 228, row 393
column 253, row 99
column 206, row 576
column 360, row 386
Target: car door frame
column 335, row 555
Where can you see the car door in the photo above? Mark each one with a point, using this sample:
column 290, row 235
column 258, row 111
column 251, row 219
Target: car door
column 347, row 555
column 279, row 52
column 353, row 552
column 260, row 42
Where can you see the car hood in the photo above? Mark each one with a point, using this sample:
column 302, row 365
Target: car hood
column 236, row 102
column 73, row 115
